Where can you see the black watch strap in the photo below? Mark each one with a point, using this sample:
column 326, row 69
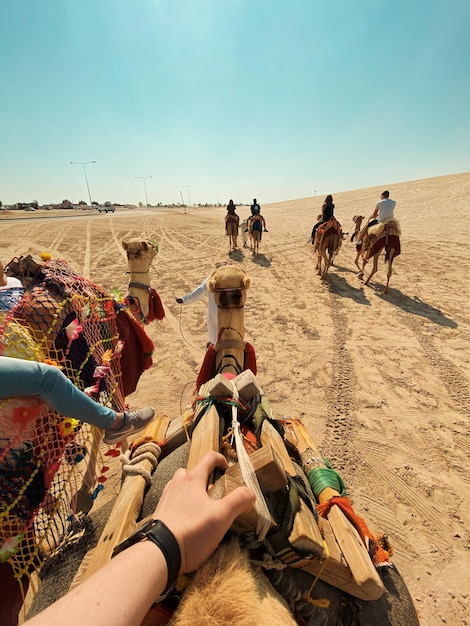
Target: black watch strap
column 161, row 536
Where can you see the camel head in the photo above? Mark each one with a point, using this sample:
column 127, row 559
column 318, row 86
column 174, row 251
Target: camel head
column 229, row 285
column 140, row 254
column 141, row 298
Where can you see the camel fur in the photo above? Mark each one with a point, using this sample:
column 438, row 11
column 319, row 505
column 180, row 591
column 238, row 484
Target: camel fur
column 227, row 590
column 328, row 246
column 231, row 229
column 229, row 285
column 140, row 254
column 378, row 241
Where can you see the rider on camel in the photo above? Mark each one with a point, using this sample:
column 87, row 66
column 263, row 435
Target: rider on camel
column 327, row 213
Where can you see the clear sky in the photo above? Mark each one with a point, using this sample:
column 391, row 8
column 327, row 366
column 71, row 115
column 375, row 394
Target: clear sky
column 273, row 99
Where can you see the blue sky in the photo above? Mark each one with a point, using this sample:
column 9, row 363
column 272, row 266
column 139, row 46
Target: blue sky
column 240, row 98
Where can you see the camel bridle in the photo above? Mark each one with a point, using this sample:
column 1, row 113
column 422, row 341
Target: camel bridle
column 228, row 290
column 224, row 344
column 137, row 255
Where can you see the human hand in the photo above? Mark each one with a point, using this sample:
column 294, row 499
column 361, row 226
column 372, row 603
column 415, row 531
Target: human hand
column 179, row 300
column 197, row 522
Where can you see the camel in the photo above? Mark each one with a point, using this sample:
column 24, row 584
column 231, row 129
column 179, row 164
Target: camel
column 272, row 581
column 255, row 239
column 63, row 318
column 229, row 285
column 256, row 224
column 231, row 354
column 327, row 243
column 143, row 301
column 357, row 219
column 381, row 236
column 231, row 229
column 360, row 238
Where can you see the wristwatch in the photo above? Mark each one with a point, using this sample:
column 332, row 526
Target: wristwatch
column 161, row 535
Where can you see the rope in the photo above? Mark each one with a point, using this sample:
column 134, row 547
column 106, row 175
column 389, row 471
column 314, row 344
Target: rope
column 181, row 310
column 248, row 473
column 322, row 603
column 322, row 477
column 147, row 452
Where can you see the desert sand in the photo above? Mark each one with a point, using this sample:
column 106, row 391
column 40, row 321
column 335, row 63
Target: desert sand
column 382, row 382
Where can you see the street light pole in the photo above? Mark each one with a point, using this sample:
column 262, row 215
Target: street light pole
column 145, row 188
column 84, row 171
column 189, row 195
column 217, row 192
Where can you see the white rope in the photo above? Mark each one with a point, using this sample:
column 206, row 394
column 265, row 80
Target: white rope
column 248, row 473
column 149, row 451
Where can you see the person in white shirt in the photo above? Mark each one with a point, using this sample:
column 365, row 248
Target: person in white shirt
column 384, row 209
column 198, row 294
column 244, row 230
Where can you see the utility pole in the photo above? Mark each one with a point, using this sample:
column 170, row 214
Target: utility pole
column 84, row 171
column 189, row 195
column 145, row 187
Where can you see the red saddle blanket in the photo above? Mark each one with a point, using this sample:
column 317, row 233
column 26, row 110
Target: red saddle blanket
column 389, row 239
column 325, row 229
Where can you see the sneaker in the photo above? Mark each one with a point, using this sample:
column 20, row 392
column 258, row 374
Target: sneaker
column 134, row 422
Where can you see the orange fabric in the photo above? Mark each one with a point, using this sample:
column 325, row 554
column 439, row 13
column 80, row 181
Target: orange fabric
column 379, row 555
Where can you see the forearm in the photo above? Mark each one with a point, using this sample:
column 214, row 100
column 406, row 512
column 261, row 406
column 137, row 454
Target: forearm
column 119, row 594
column 196, row 294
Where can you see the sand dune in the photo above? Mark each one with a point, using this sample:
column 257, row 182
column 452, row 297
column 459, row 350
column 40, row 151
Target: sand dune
column 381, row 381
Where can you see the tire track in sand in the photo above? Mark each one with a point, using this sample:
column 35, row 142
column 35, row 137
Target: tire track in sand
column 449, row 375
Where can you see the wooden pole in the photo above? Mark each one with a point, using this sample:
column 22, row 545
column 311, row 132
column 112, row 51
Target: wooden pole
column 354, row 551
column 126, row 510
column 305, row 534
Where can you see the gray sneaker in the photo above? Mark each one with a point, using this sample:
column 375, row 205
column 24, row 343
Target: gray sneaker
column 134, row 422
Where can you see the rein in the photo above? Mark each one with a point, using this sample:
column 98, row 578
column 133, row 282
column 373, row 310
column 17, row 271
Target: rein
column 135, row 285
column 134, row 272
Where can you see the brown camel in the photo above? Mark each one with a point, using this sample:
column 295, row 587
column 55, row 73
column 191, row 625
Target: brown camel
column 143, row 301
column 380, row 237
column 327, row 243
column 229, row 285
column 232, row 222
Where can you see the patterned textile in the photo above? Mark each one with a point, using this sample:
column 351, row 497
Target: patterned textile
column 64, row 319
column 325, row 229
column 387, row 237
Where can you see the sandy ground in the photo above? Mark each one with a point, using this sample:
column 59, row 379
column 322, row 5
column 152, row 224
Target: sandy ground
column 381, row 381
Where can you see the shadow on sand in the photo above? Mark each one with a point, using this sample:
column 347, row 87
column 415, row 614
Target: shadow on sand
column 337, row 284
column 261, row 260
column 416, row 306
column 240, row 255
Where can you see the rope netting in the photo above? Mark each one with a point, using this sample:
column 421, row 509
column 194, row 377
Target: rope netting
column 63, row 319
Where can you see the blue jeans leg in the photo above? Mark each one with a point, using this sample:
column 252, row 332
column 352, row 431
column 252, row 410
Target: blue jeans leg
column 19, row 377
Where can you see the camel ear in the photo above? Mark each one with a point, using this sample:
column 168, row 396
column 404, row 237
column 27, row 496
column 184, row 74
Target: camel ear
column 124, row 244
column 246, row 282
column 212, row 285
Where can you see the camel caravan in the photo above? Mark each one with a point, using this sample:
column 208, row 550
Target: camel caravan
column 381, row 233
column 302, row 555
column 255, row 226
